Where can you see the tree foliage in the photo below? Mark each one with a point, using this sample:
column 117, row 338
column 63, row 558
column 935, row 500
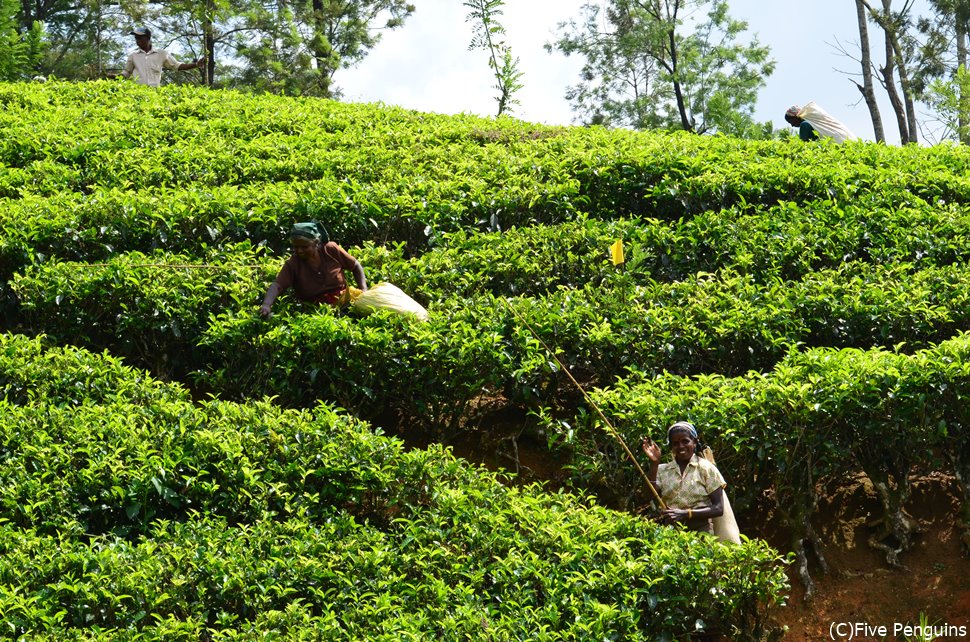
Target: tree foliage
column 487, row 34
column 339, row 34
column 664, row 64
column 943, row 65
column 289, row 46
column 273, row 58
column 18, row 52
column 948, row 98
column 80, row 40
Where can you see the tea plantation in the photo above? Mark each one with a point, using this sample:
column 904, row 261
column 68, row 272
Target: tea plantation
column 172, row 466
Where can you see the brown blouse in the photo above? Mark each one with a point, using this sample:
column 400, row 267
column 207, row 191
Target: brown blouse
column 310, row 284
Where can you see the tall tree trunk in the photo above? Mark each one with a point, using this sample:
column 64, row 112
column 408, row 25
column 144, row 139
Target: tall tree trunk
column 209, row 43
column 867, row 88
column 670, row 18
column 321, row 47
column 888, row 71
column 678, row 90
column 889, row 82
column 99, row 72
column 26, row 12
column 893, row 35
column 963, row 135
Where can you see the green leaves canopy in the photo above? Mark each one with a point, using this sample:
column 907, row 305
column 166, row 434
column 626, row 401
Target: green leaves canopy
column 659, row 64
column 18, row 53
column 487, row 34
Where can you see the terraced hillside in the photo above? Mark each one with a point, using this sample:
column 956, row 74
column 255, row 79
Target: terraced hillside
column 804, row 305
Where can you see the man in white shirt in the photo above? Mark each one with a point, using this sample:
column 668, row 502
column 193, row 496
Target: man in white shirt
column 146, row 62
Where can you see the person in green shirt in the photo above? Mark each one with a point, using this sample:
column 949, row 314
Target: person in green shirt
column 805, row 130
column 814, row 123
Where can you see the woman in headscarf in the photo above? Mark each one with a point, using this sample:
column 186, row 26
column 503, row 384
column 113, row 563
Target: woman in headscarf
column 316, row 269
column 691, row 487
column 805, row 130
column 813, row 123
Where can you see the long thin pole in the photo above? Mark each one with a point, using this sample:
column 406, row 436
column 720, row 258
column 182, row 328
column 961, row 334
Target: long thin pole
column 590, row 401
column 168, row 266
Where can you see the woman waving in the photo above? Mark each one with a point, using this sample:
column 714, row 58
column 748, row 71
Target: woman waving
column 690, row 485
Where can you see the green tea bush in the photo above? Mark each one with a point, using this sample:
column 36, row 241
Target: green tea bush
column 805, row 302
column 32, row 372
column 151, row 309
column 168, row 519
column 817, row 416
column 176, row 318
column 570, row 572
column 129, row 174
column 381, row 367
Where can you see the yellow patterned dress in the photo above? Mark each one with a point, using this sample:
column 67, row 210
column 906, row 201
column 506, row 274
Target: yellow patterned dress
column 691, row 489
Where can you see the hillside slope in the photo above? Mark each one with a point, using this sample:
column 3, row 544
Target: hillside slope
column 804, row 305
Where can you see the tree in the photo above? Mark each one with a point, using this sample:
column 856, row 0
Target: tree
column 73, row 39
column 342, row 32
column 867, row 88
column 664, row 64
column 948, row 98
column 900, row 52
column 942, row 74
column 12, row 54
column 18, row 53
column 297, row 46
column 285, row 46
column 274, row 57
column 487, row 34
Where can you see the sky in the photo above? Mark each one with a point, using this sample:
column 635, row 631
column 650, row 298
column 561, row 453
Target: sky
column 426, row 65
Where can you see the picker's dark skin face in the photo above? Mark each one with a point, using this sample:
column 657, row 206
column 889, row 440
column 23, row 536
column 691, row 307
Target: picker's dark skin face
column 144, row 42
column 683, row 446
column 304, row 249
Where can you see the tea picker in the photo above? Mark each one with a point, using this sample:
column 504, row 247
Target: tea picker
column 146, row 62
column 315, row 272
column 691, row 484
column 813, row 123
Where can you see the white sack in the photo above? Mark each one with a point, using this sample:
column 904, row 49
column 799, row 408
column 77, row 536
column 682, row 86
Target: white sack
column 825, row 124
column 725, row 526
column 385, row 296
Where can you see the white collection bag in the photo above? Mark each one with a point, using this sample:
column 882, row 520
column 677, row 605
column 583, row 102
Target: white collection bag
column 825, row 124
column 725, row 526
column 385, row 296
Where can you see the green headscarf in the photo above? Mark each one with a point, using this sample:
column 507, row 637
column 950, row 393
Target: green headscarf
column 310, row 230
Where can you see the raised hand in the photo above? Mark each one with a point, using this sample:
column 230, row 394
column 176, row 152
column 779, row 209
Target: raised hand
column 651, row 450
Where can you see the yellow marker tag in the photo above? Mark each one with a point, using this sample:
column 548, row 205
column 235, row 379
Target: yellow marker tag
column 617, row 251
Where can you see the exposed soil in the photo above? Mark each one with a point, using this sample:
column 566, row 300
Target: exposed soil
column 861, row 588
